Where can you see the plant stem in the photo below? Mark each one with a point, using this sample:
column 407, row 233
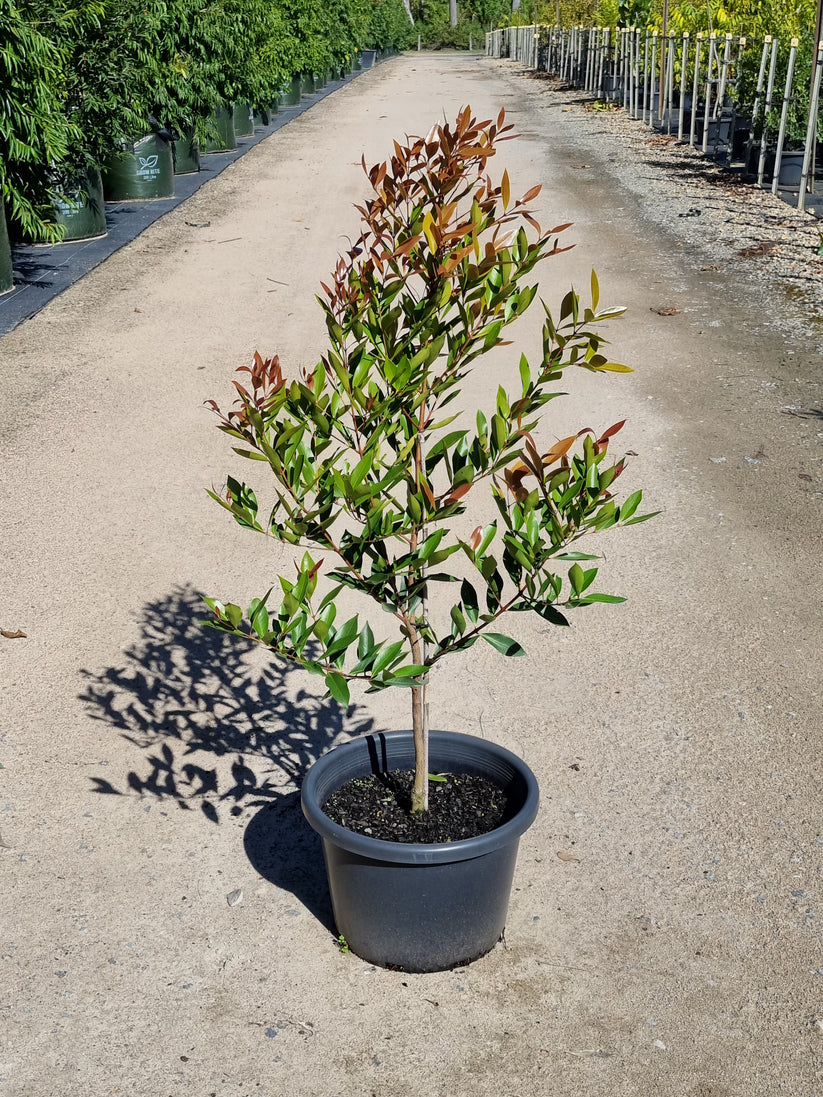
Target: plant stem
column 420, row 694
column 420, row 791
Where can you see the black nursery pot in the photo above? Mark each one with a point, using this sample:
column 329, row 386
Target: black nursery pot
column 416, row 906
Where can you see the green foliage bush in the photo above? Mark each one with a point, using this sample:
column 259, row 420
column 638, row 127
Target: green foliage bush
column 34, row 129
column 437, row 34
column 77, row 80
column 389, row 26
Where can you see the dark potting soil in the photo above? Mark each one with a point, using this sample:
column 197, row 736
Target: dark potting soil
column 379, row 805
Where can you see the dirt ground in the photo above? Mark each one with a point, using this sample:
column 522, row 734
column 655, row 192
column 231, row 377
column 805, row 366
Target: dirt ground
column 165, row 922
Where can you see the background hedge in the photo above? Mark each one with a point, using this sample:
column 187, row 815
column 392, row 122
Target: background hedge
column 78, row 80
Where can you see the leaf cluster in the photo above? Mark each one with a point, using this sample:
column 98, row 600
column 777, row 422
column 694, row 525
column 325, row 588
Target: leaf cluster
column 369, row 461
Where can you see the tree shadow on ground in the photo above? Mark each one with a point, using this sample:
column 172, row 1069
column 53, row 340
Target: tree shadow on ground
column 223, row 732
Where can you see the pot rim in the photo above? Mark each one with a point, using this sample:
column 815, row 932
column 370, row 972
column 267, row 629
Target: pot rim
column 465, row 748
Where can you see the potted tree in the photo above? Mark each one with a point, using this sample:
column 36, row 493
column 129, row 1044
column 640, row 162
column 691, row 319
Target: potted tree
column 370, row 469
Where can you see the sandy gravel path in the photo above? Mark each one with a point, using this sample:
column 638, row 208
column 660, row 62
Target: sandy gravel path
column 165, row 923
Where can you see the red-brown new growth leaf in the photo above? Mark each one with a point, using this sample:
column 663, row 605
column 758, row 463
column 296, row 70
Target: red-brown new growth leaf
column 533, row 463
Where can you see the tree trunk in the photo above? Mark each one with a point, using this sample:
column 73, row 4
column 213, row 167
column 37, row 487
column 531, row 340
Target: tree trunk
column 452, row 13
column 420, row 791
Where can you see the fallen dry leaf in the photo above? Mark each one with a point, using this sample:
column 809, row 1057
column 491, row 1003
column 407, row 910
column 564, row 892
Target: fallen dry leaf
column 566, row 856
column 763, row 248
column 10, row 634
column 666, row 310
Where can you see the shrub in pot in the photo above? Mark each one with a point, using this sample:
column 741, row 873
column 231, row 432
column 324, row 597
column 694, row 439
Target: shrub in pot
column 35, row 131
column 370, row 471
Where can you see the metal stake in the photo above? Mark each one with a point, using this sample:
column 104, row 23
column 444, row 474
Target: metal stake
column 784, row 114
column 811, row 129
column 707, row 112
column 695, row 87
column 684, row 63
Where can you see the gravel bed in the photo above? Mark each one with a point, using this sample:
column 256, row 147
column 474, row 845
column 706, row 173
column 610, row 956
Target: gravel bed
column 721, row 221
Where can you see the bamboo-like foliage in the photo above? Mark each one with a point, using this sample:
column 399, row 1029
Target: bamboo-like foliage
column 371, row 468
column 77, row 80
column 34, row 129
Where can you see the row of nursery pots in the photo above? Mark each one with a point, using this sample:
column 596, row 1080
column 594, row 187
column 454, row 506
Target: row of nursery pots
column 145, row 169
column 731, row 134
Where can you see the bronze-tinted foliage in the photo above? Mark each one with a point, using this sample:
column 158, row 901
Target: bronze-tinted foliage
column 443, row 179
column 370, row 468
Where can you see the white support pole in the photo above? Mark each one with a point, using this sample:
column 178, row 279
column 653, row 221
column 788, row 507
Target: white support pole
column 761, row 165
column 784, row 115
column 811, row 129
column 695, row 87
column 712, row 58
column 684, row 64
column 758, row 95
column 654, row 87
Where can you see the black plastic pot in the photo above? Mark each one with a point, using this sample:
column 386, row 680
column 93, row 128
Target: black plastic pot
column 142, row 171
column 791, row 169
column 225, row 139
column 292, row 93
column 81, row 209
column 417, row 906
column 740, row 139
column 6, row 276
column 243, row 120
column 308, row 84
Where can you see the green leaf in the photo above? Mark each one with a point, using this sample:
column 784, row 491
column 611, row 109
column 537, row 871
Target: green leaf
column 458, row 619
column 388, row 655
column 487, row 535
column 234, row 614
column 413, row 670
column 641, row 518
column 430, row 544
column 343, row 638
column 545, row 610
column 611, row 599
column 338, row 687
column 611, row 367
column 630, row 506
column 366, row 641
column 468, row 596
column 361, row 468
column 259, row 615
column 576, row 578
column 502, row 643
